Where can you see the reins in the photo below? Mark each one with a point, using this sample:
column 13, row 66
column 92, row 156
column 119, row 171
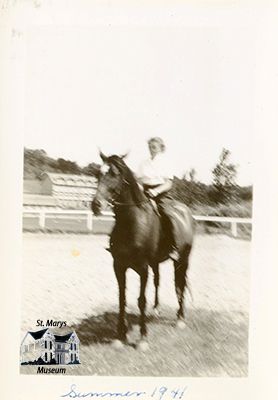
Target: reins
column 133, row 204
column 117, row 203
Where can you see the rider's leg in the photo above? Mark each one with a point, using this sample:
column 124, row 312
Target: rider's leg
column 165, row 208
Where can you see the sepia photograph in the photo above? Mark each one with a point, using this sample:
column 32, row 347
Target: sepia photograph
column 137, row 199
column 138, row 203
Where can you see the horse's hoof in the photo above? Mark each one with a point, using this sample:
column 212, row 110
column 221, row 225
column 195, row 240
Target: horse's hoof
column 117, row 344
column 181, row 325
column 143, row 346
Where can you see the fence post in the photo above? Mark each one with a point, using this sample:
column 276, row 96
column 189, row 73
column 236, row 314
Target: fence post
column 89, row 221
column 42, row 219
column 234, row 228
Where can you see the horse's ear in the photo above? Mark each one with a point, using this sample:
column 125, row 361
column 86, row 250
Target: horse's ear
column 103, row 156
column 123, row 156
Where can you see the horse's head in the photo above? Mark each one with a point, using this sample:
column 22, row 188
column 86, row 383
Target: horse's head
column 110, row 182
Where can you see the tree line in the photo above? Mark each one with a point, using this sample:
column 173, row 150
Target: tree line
column 222, row 191
column 37, row 161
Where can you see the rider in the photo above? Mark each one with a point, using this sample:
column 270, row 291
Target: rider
column 156, row 178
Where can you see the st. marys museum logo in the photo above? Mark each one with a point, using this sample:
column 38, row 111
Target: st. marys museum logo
column 43, row 347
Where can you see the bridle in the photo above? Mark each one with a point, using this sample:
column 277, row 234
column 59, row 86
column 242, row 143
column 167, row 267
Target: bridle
column 114, row 202
column 119, row 204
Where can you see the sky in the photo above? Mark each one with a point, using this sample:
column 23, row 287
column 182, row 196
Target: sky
column 115, row 86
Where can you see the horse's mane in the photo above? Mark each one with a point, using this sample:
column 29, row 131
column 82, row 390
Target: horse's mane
column 137, row 195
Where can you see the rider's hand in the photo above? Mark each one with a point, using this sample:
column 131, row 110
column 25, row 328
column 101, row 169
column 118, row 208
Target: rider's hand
column 152, row 193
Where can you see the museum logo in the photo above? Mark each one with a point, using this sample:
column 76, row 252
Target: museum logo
column 46, row 348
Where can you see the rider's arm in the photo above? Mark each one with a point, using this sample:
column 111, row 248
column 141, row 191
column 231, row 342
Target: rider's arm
column 165, row 187
column 140, row 183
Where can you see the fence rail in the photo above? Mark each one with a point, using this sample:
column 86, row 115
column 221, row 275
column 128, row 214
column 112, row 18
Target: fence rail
column 108, row 216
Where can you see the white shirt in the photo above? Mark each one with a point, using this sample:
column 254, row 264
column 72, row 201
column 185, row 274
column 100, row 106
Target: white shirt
column 155, row 171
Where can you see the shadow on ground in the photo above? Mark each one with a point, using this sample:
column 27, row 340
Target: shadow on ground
column 103, row 328
column 213, row 344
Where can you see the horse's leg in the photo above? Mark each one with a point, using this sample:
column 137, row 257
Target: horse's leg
column 120, row 273
column 142, row 306
column 155, row 268
column 180, row 284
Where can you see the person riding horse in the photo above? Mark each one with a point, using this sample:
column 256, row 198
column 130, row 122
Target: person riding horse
column 140, row 237
column 156, row 178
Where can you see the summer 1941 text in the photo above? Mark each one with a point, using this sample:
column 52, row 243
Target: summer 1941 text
column 157, row 393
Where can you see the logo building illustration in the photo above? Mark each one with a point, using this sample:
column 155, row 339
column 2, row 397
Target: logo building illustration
column 44, row 347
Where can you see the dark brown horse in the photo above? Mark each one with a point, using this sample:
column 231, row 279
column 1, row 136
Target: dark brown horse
column 140, row 238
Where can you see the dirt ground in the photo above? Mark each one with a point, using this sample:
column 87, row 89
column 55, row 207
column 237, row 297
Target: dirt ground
column 69, row 277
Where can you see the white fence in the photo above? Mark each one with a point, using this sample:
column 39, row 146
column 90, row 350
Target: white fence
column 108, row 216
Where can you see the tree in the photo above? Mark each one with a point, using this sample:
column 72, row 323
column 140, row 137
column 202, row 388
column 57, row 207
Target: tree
column 192, row 175
column 92, row 169
column 224, row 179
column 35, row 162
column 189, row 192
column 67, row 166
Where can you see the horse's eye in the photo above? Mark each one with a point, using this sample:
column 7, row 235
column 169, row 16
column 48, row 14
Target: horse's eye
column 112, row 171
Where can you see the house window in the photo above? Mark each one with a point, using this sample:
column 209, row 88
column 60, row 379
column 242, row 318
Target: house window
column 26, row 347
column 71, row 346
column 45, row 356
column 50, row 343
column 71, row 357
column 51, row 356
column 45, row 344
column 75, row 346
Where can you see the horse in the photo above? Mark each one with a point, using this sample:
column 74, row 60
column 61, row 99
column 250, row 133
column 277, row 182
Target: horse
column 141, row 239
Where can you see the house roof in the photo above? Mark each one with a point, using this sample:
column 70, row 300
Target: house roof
column 38, row 334
column 63, row 338
column 71, row 180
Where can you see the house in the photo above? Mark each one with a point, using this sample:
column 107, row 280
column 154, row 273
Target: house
column 44, row 347
column 31, row 186
column 40, row 202
column 36, row 345
column 67, row 349
column 70, row 191
column 34, row 199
